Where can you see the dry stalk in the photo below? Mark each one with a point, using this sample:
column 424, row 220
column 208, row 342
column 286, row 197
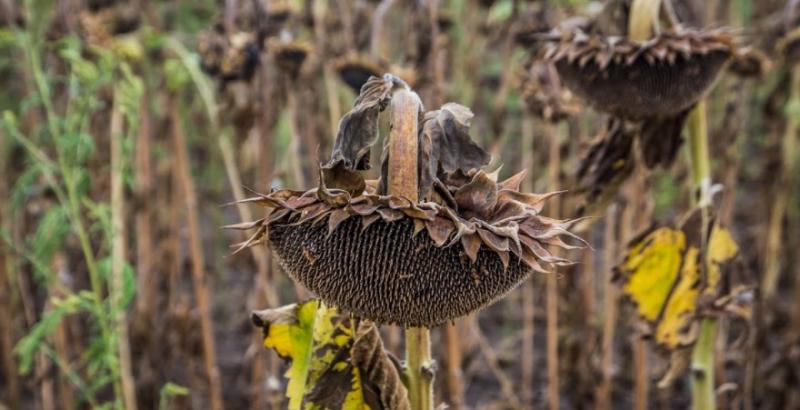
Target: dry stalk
column 198, row 264
column 61, row 339
column 295, row 159
column 320, row 10
column 789, row 146
column 528, row 302
column 377, row 46
column 641, row 26
column 603, row 397
column 554, row 170
column 506, row 385
column 265, row 294
column 118, row 255
column 455, row 384
column 147, row 285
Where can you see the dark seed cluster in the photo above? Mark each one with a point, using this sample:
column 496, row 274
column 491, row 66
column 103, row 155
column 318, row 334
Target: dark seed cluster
column 636, row 80
column 388, row 274
column 644, row 89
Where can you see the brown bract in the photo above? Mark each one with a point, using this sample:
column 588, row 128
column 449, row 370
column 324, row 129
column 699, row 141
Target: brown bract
column 660, row 77
column 392, row 260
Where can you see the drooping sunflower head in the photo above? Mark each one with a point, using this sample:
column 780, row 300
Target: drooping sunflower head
column 389, row 259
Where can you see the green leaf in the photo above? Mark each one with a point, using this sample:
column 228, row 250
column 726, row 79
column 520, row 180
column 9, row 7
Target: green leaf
column 29, row 345
column 501, row 11
column 50, row 233
column 168, row 391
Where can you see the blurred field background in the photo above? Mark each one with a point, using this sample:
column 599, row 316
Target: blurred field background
column 125, row 126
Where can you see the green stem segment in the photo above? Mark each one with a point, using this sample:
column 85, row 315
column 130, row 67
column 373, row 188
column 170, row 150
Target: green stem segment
column 703, row 397
column 643, row 19
column 419, row 368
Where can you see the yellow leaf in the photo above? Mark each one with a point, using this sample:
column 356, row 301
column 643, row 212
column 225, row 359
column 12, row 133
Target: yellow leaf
column 676, row 327
column 663, row 276
column 289, row 333
column 651, row 267
column 721, row 250
column 318, row 342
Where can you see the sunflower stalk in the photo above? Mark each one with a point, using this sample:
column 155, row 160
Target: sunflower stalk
column 703, row 354
column 642, row 25
column 402, row 181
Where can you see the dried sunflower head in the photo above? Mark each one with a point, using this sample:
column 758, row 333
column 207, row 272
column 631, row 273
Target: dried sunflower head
column 392, row 260
column 660, row 77
column 356, row 69
column 229, row 58
column 290, row 55
column 749, row 62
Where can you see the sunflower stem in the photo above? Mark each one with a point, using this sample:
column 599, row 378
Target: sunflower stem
column 402, row 181
column 643, row 19
column 703, row 397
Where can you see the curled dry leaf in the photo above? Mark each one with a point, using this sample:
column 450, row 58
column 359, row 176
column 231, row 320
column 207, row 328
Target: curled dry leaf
column 335, row 362
column 392, row 260
column 446, row 147
column 358, row 129
column 608, row 162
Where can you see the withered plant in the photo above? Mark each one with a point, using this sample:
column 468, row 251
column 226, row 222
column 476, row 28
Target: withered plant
column 435, row 238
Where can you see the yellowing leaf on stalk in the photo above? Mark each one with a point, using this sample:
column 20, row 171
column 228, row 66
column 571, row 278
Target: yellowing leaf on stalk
column 664, row 276
column 328, row 355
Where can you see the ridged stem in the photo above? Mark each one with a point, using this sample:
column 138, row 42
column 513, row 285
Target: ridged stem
column 643, row 19
column 703, row 397
column 402, row 180
column 772, row 257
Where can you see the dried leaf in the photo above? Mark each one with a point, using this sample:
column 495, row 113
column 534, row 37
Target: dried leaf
column 446, row 146
column 478, row 197
column 358, row 129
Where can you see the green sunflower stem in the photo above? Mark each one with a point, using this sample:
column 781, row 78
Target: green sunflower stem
column 703, row 396
column 643, row 19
